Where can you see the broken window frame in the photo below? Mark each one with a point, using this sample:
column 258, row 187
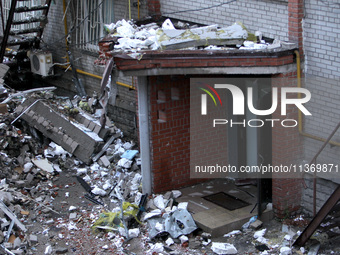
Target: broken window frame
column 91, row 15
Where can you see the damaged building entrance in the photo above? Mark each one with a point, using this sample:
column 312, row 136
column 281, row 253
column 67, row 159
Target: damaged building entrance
column 249, row 145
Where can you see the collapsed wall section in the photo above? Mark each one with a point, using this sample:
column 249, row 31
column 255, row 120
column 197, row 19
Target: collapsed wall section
column 80, row 140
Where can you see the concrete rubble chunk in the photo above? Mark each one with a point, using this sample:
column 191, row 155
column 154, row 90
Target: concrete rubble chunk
column 67, row 132
column 223, row 248
column 33, row 239
column 183, row 239
column 73, row 216
column 43, row 164
column 133, row 233
column 98, row 191
column 256, row 224
column 159, row 202
column 48, row 250
column 104, row 161
column 169, row 241
column 285, row 251
column 17, row 243
column 156, row 248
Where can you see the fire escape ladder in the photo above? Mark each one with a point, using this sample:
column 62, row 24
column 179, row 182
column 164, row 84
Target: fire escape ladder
column 327, row 206
column 28, row 36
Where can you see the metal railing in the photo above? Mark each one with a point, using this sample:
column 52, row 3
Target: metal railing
column 313, row 161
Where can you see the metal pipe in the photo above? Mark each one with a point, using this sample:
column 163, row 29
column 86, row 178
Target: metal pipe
column 138, row 3
column 144, row 133
column 129, row 9
column 300, row 125
column 98, row 77
column 65, row 29
column 2, row 17
column 81, row 71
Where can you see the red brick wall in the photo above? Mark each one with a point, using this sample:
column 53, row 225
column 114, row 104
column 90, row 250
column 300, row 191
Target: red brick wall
column 154, row 8
column 286, row 149
column 170, row 140
column 178, row 59
column 295, row 16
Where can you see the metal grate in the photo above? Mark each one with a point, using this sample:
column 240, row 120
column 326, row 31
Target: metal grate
column 91, row 15
column 226, row 201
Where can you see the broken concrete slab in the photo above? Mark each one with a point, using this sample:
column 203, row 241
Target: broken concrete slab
column 72, row 136
column 43, row 164
column 256, row 224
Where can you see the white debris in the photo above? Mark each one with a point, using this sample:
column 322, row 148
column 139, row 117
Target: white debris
column 3, row 183
column 288, row 237
column 123, row 162
column 223, row 248
column 105, row 247
column 169, row 241
column 72, row 208
column 98, row 191
column 72, row 226
column 95, row 167
column 176, row 193
column 182, row 205
column 43, row 164
column 57, row 168
column 159, row 227
column 302, row 249
column 48, row 249
column 156, row 248
column 81, row 171
column 285, row 251
column 183, row 239
column 125, row 29
column 167, row 24
column 107, row 185
column 258, row 235
column 122, row 231
column 87, row 178
column 153, row 213
column 128, row 145
column 232, row 233
column 134, row 232
column 67, row 194
column 27, row 167
column 205, row 243
column 159, row 202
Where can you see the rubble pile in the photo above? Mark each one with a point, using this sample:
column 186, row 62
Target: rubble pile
column 49, row 197
column 125, row 36
column 51, row 202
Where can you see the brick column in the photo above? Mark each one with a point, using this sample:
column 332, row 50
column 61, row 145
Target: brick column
column 154, row 8
column 295, row 16
column 287, row 151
